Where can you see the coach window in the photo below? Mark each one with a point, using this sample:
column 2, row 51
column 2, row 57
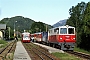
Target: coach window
column 71, row 31
column 50, row 31
column 63, row 31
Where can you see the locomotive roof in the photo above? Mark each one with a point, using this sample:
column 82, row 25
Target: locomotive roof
column 66, row 26
column 38, row 33
column 26, row 33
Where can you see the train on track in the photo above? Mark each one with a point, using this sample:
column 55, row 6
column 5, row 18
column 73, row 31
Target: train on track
column 62, row 36
column 26, row 37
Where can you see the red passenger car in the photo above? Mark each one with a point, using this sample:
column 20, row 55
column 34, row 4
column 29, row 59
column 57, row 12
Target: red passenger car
column 26, row 37
column 38, row 36
column 63, row 36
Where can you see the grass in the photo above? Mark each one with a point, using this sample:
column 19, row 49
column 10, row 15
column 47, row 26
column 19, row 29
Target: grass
column 65, row 56
column 81, row 50
column 3, row 43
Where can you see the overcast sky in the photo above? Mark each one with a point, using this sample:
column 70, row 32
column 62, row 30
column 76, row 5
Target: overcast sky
column 47, row 11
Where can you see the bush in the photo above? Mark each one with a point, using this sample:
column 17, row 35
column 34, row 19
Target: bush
column 3, row 41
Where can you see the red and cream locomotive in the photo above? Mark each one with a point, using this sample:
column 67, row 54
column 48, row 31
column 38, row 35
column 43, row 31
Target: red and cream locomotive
column 63, row 36
column 26, row 37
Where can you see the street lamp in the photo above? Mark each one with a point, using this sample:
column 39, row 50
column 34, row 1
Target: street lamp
column 17, row 30
column 9, row 32
column 14, row 28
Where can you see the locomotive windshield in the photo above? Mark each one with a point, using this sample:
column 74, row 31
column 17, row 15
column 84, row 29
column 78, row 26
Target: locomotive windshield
column 26, row 36
column 63, row 31
column 70, row 30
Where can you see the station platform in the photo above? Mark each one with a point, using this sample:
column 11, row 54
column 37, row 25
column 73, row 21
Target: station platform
column 20, row 52
column 50, row 49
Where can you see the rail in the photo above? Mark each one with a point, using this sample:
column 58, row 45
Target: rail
column 42, row 53
column 79, row 54
column 6, row 50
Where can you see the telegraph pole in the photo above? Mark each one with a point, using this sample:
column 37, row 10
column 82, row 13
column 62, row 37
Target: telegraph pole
column 46, row 28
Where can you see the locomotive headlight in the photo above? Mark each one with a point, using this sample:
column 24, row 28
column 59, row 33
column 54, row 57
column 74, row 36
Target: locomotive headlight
column 40, row 39
column 74, row 38
column 60, row 38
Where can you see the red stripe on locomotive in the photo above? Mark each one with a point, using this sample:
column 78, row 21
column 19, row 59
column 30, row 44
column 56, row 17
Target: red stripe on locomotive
column 62, row 38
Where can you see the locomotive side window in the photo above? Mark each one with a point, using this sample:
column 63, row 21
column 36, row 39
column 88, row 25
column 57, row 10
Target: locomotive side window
column 70, row 30
column 63, row 31
column 56, row 30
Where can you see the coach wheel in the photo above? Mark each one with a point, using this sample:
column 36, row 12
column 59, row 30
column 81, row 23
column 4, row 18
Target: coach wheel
column 53, row 45
column 48, row 44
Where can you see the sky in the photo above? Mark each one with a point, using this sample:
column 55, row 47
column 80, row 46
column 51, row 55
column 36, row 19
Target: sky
column 46, row 11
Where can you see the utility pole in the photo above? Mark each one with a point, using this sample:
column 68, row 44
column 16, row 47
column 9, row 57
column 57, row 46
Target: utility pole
column 46, row 28
column 14, row 28
column 9, row 32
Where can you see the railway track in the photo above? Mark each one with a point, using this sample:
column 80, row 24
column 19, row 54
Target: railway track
column 38, row 52
column 6, row 50
column 79, row 54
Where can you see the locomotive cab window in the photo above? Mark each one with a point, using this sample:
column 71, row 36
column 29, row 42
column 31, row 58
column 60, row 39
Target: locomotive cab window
column 70, row 30
column 63, row 31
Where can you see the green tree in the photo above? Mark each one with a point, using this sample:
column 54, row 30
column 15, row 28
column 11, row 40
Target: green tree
column 80, row 18
column 37, row 27
column 76, row 19
column 22, row 24
column 85, row 35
